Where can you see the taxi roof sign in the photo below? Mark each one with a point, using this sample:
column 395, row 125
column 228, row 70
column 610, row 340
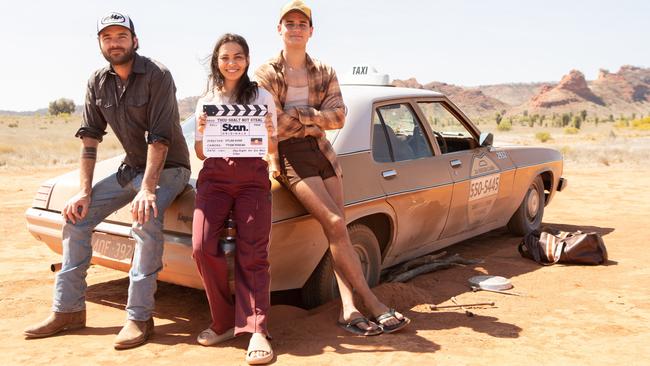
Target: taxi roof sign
column 364, row 75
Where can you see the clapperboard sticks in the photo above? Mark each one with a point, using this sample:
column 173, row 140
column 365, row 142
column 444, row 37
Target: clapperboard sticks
column 235, row 110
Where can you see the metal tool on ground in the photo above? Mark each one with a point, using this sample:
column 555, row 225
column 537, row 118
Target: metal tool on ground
column 496, row 284
column 436, row 307
column 474, row 289
column 467, row 312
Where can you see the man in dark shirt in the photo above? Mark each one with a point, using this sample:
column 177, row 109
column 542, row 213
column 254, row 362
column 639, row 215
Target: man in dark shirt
column 136, row 97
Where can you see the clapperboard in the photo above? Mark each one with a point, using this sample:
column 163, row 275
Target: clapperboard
column 235, row 130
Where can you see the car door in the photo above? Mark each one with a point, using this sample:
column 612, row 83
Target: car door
column 482, row 176
column 417, row 183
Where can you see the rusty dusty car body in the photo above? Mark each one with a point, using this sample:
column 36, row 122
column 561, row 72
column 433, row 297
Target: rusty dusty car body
column 418, row 176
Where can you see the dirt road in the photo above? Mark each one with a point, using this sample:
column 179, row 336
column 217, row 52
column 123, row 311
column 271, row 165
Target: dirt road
column 570, row 314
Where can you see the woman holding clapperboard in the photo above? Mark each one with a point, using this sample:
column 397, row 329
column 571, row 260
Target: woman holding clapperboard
column 242, row 185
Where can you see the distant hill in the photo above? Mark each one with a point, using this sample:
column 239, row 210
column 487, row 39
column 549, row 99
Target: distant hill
column 473, row 102
column 25, row 113
column 512, row 94
column 626, row 92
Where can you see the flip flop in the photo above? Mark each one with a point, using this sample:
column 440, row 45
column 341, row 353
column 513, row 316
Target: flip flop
column 391, row 328
column 259, row 346
column 209, row 337
column 352, row 327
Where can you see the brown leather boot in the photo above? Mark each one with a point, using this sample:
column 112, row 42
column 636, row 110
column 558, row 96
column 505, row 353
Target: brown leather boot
column 134, row 333
column 57, row 322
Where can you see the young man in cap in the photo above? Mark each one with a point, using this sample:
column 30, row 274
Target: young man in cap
column 308, row 101
column 136, row 97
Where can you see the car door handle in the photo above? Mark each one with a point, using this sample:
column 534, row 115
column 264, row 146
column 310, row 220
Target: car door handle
column 455, row 163
column 387, row 174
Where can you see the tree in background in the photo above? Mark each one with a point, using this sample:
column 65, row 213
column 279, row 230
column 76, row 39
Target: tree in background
column 61, row 105
column 583, row 115
column 498, row 117
column 577, row 122
column 566, row 119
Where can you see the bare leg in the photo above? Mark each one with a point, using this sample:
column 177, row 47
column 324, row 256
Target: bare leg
column 324, row 200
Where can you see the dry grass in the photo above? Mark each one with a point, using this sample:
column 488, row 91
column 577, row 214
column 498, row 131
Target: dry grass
column 604, row 144
column 32, row 141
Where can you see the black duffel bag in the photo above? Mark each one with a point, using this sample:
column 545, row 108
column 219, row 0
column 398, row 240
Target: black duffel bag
column 563, row 247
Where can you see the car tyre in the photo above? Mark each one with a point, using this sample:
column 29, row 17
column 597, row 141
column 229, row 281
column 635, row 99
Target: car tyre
column 321, row 286
column 528, row 216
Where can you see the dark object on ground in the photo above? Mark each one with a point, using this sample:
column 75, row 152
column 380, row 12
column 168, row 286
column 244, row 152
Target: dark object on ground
column 426, row 264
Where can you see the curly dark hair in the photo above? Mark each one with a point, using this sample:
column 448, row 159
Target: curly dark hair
column 246, row 89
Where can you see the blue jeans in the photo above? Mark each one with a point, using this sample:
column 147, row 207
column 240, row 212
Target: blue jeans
column 108, row 196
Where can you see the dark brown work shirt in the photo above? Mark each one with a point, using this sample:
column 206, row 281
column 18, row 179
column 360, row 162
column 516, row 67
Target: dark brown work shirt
column 140, row 111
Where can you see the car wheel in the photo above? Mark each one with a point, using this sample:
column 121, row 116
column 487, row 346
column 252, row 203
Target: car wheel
column 528, row 216
column 321, row 286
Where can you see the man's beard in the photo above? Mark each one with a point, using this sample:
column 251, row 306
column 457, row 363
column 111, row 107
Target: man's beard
column 122, row 59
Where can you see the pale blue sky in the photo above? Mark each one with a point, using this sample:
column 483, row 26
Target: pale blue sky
column 49, row 48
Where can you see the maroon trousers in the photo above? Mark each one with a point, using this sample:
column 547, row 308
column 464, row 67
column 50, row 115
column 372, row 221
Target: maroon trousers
column 240, row 184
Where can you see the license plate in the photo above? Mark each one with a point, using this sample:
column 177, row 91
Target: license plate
column 112, row 246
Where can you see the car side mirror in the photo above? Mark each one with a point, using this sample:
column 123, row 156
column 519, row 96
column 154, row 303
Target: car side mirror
column 486, row 139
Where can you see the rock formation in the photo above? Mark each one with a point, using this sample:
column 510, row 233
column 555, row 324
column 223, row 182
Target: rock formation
column 572, row 89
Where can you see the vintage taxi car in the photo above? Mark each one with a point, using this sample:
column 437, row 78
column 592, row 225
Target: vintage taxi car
column 418, row 176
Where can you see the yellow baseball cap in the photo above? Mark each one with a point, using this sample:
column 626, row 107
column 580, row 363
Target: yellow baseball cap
column 296, row 5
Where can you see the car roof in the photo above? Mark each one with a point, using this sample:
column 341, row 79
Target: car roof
column 375, row 92
column 359, row 100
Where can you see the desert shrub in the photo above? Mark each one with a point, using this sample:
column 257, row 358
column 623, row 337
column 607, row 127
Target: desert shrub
column 504, row 126
column 61, row 105
column 622, row 123
column 577, row 121
column 565, row 150
column 641, row 124
column 570, row 130
column 12, row 125
column 543, row 136
column 498, row 117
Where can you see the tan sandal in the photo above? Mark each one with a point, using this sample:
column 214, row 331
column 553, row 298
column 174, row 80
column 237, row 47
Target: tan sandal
column 258, row 343
column 209, row 337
